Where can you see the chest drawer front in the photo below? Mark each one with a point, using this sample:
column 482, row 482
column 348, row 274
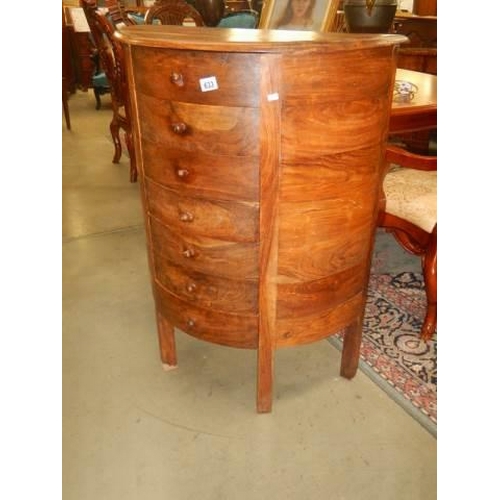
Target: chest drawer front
column 318, row 296
column 227, row 220
column 206, row 255
column 340, row 76
column 215, row 130
column 209, row 176
column 333, row 176
column 321, row 238
column 235, row 330
column 333, row 128
column 311, row 327
column 181, row 75
column 213, row 292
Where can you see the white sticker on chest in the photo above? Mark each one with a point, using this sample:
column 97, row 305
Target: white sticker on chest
column 208, row 84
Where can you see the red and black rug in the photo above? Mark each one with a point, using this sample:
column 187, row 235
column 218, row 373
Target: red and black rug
column 392, row 354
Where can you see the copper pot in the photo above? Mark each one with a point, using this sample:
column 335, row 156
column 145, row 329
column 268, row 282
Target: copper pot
column 211, row 10
column 369, row 16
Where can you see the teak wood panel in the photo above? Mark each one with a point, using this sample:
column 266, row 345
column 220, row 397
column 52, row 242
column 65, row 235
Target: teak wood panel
column 235, row 330
column 206, row 255
column 236, row 79
column 203, row 174
column 294, row 330
column 325, row 176
column 269, row 133
column 327, row 240
column 337, row 77
column 219, row 130
column 209, row 292
column 313, row 297
column 314, row 129
column 229, row 220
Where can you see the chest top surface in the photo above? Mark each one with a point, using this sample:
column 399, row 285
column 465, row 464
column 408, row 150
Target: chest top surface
column 245, row 40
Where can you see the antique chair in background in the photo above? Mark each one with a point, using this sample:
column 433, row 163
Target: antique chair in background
column 111, row 59
column 409, row 212
column 176, row 12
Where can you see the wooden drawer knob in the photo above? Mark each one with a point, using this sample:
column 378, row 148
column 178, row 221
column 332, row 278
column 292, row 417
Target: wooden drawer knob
column 182, row 173
column 186, row 216
column 179, row 128
column 177, row 79
column 189, row 253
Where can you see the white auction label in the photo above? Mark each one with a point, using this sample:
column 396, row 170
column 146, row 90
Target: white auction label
column 208, row 84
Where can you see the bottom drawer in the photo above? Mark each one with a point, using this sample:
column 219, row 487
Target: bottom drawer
column 234, row 330
column 303, row 329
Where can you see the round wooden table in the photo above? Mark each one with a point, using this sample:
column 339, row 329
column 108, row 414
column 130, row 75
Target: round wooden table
column 421, row 112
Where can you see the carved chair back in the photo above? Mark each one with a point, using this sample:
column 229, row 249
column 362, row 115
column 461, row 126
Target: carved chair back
column 120, row 14
column 111, row 58
column 175, row 12
column 117, row 13
column 110, row 50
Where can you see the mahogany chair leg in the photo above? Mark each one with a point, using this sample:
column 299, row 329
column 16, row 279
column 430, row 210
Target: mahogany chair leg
column 166, row 337
column 114, row 128
column 430, row 278
column 351, row 348
column 131, row 152
column 265, row 364
column 65, row 104
column 97, row 95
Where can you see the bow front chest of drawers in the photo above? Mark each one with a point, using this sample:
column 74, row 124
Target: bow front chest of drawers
column 260, row 158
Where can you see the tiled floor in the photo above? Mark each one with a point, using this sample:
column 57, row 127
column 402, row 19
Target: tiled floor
column 134, row 432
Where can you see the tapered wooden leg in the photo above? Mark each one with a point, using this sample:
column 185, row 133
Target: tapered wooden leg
column 166, row 337
column 430, row 279
column 114, row 128
column 265, row 364
column 351, row 348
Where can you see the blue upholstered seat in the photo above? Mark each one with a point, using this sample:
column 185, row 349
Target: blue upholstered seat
column 245, row 19
column 137, row 18
column 100, row 80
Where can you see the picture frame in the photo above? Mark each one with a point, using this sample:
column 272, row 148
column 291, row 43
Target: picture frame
column 311, row 15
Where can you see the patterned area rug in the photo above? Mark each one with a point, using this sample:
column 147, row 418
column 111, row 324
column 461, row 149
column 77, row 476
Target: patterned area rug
column 392, row 354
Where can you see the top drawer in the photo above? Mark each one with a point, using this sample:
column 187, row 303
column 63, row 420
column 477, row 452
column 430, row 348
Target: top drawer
column 179, row 75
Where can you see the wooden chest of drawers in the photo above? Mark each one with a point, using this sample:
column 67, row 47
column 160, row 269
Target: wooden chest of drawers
column 260, row 165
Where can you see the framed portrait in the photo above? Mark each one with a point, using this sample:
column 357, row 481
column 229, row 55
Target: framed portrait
column 311, row 15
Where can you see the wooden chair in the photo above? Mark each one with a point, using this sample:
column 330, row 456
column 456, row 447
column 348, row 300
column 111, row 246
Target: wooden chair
column 175, row 12
column 409, row 212
column 111, row 58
